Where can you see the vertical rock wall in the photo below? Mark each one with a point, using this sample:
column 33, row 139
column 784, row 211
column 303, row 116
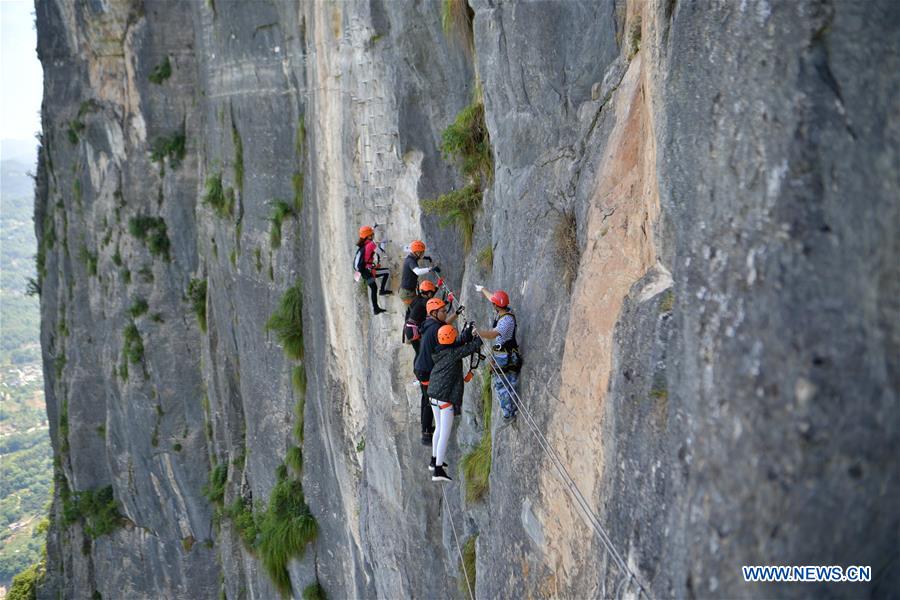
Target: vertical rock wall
column 693, row 209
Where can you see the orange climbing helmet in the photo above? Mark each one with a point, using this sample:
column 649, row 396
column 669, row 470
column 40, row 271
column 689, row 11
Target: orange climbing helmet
column 434, row 304
column 500, row 298
column 427, row 286
column 446, row 335
column 365, row 231
column 417, row 246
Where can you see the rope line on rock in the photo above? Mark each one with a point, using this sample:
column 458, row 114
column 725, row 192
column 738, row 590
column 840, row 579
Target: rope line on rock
column 462, row 561
column 567, row 478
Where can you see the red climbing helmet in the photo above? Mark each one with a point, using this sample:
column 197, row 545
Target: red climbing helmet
column 365, row 231
column 446, row 335
column 500, row 298
column 427, row 286
column 417, row 246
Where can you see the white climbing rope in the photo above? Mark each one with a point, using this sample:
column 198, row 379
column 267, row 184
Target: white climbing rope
column 580, row 500
column 462, row 561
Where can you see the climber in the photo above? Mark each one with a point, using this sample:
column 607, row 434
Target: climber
column 412, row 271
column 415, row 315
column 366, row 263
column 505, row 349
column 436, row 310
column 446, row 390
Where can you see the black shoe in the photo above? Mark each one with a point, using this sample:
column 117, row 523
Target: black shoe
column 378, row 310
column 440, row 474
column 385, row 293
column 426, row 438
column 432, row 464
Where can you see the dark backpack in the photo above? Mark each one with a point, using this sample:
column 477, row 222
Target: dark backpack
column 358, row 265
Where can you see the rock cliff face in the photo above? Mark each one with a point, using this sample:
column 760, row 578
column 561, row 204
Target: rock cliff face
column 694, row 210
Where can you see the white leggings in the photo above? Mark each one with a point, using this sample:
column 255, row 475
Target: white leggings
column 443, row 423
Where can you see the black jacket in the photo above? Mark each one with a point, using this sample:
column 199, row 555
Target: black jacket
column 428, row 331
column 447, row 375
column 409, row 280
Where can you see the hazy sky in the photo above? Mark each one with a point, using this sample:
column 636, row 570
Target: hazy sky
column 20, row 72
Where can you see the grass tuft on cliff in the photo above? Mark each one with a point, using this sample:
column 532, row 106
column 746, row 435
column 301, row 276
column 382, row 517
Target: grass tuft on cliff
column 467, row 567
column 241, row 514
column 133, row 346
column 281, row 210
column 314, row 591
column 221, row 201
column 196, row 293
column 238, row 158
column 287, row 322
column 214, row 490
column 476, row 465
column 284, row 530
column 456, row 21
column 467, row 142
column 457, row 208
column 138, row 307
column 161, row 72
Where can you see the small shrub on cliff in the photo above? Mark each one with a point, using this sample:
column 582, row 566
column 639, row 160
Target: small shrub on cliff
column 196, row 293
column 467, row 141
column 161, row 72
column 287, row 322
column 98, row 510
column 284, row 530
column 133, row 346
column 24, row 585
column 138, row 307
column 171, row 147
column 280, row 211
column 151, row 230
column 476, row 465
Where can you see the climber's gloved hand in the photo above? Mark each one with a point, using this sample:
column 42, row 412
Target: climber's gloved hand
column 460, row 309
column 436, row 269
column 478, row 288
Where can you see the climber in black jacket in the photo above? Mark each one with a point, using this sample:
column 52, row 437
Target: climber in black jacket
column 445, row 389
column 437, row 316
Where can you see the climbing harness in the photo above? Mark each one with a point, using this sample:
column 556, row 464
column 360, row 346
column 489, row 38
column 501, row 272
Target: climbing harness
column 627, row 573
column 458, row 548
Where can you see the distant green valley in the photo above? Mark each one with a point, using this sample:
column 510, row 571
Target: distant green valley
column 25, row 455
